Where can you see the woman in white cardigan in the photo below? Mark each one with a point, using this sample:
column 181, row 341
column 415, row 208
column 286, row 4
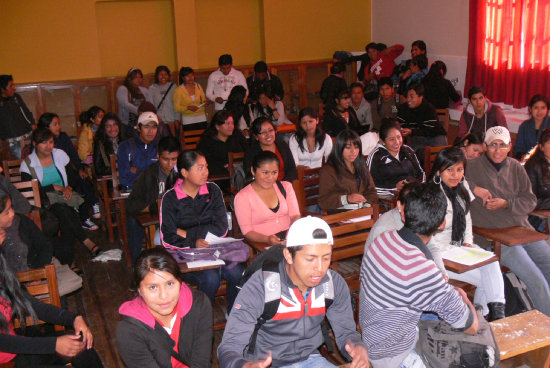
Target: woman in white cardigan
column 130, row 95
column 310, row 145
column 448, row 172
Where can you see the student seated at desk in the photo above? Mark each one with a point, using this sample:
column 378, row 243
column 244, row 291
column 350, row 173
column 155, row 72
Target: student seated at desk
column 193, row 208
column 531, row 130
column 151, row 185
column 512, row 201
column 339, row 115
column 344, row 181
column 167, row 324
column 270, row 108
column 266, row 207
column 106, row 140
column 472, row 146
column 310, row 145
column 392, row 164
column 480, row 114
column 538, row 169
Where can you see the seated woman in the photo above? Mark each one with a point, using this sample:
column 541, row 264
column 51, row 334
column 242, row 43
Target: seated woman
column 448, row 172
column 345, row 182
column 471, row 145
column 530, row 130
column 90, row 121
column 267, row 207
column 267, row 107
column 40, row 351
column 339, row 116
column 82, row 185
column 392, row 164
column 162, row 94
column 190, row 101
column 440, row 92
column 106, row 142
column 129, row 96
column 265, row 138
column 218, row 140
column 52, row 168
column 538, row 169
column 236, row 104
column 417, row 72
column 189, row 211
column 167, row 324
column 310, row 145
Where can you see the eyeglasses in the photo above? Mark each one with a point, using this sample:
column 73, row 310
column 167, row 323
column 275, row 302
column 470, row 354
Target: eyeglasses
column 267, row 132
column 495, row 146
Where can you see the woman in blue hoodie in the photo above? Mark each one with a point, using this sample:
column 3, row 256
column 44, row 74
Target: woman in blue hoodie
column 530, row 130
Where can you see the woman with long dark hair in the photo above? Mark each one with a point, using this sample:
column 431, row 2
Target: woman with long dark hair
column 530, row 131
column 471, row 145
column 193, row 208
column 310, row 145
column 339, row 115
column 538, row 169
column 90, row 120
column 106, row 140
column 167, row 324
column 190, row 101
column 448, row 172
column 345, row 182
column 129, row 96
column 268, row 107
column 236, row 104
column 162, row 94
column 50, row 351
column 392, row 164
column 438, row 90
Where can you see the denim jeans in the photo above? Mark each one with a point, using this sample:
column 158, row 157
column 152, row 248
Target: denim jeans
column 314, row 361
column 136, row 236
column 531, row 263
column 15, row 149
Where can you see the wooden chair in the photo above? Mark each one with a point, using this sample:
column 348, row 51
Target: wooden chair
column 149, row 222
column 191, row 138
column 234, row 159
column 119, row 208
column 430, row 154
column 306, row 188
column 444, row 118
column 11, row 170
column 545, row 215
column 30, row 190
column 177, row 131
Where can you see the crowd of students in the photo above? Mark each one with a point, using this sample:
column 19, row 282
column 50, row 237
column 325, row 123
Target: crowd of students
column 360, row 149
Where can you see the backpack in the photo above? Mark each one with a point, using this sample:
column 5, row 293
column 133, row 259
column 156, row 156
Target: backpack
column 440, row 345
column 268, row 261
column 515, row 292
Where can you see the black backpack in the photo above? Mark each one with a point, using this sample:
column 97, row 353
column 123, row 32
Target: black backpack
column 515, row 292
column 268, row 261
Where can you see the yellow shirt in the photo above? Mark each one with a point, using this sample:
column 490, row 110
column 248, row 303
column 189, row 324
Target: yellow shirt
column 85, row 142
column 182, row 99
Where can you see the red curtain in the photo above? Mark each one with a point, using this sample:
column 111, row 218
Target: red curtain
column 509, row 49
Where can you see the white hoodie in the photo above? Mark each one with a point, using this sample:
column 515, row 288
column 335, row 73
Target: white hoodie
column 220, row 85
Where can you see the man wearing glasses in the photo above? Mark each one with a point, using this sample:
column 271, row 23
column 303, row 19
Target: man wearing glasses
column 509, row 205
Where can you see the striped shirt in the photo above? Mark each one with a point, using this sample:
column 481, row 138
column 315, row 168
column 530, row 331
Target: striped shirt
column 398, row 283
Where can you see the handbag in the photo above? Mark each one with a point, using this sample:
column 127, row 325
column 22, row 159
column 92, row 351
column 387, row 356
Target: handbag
column 57, row 197
column 232, row 253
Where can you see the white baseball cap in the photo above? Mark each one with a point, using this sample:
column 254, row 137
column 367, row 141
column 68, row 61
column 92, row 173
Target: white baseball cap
column 148, row 117
column 497, row 132
column 309, row 230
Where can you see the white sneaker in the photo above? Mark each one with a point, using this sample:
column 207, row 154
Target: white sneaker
column 89, row 225
column 96, row 210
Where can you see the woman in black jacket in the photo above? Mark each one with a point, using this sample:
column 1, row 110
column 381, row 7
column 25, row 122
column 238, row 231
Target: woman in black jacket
column 538, row 169
column 340, row 116
column 440, row 92
column 106, row 142
column 148, row 335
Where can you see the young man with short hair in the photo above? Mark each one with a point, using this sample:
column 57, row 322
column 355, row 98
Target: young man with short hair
column 16, row 119
column 262, row 80
column 360, row 105
column 403, row 71
column 387, row 103
column 381, row 61
column 399, row 280
column 480, row 114
column 222, row 81
column 137, row 153
column 304, row 284
column 333, row 83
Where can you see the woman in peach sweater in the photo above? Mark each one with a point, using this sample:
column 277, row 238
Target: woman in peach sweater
column 266, row 208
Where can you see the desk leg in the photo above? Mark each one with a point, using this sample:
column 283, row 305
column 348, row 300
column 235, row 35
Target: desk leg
column 121, row 214
column 497, row 249
column 538, row 358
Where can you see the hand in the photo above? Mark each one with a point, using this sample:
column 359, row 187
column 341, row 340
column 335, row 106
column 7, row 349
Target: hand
column 69, row 345
column 356, row 198
column 496, row 204
column 483, row 193
column 181, row 233
column 201, row 243
column 67, row 193
column 359, row 355
column 405, row 132
column 219, row 100
column 83, row 173
column 192, row 108
column 406, row 74
column 207, row 102
column 261, row 363
column 133, row 169
column 2, row 236
column 401, row 184
column 80, row 326
column 273, row 240
column 445, row 277
column 468, row 245
column 246, row 133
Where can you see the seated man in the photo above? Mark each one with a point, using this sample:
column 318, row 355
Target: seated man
column 262, row 80
column 333, row 83
column 381, row 61
column 222, row 81
column 512, row 201
column 385, row 106
column 480, row 114
column 419, row 120
column 150, row 185
column 393, row 295
column 137, row 153
column 304, row 283
column 360, row 105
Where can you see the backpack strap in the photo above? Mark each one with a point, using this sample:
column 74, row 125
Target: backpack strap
column 165, row 94
column 31, row 169
column 281, row 188
column 329, row 298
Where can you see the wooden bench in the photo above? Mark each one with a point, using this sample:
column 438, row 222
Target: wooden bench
column 306, row 188
column 510, row 236
column 430, row 153
column 523, row 339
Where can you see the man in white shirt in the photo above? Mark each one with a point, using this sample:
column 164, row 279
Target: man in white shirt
column 222, row 81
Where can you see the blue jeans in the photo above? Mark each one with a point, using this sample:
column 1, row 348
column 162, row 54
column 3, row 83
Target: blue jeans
column 208, row 281
column 136, row 236
column 531, row 263
column 314, row 361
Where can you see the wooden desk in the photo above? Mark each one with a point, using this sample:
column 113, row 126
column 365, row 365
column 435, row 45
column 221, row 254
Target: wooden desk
column 185, row 269
column 286, row 128
column 257, row 246
column 120, row 199
column 510, row 236
column 460, row 268
column 525, row 336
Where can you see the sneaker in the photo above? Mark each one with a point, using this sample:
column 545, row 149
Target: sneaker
column 96, row 209
column 89, row 225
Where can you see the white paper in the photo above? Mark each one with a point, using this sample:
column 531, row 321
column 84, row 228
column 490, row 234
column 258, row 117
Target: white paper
column 357, row 219
column 203, row 263
column 214, row 240
column 466, row 255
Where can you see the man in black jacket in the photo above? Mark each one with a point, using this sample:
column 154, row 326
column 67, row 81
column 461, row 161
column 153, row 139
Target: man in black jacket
column 150, row 185
column 334, row 83
column 262, row 80
column 16, row 120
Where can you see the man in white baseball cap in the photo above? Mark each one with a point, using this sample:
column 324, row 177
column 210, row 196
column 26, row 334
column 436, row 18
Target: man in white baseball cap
column 307, row 292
